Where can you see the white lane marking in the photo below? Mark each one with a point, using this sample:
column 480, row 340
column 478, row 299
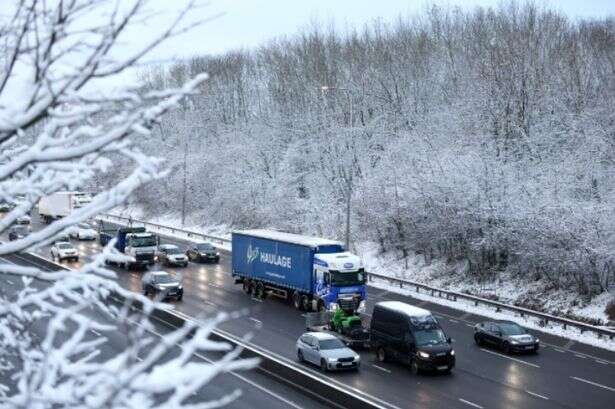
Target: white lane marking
column 559, row 350
column 452, row 320
column 521, row 361
column 139, row 359
column 537, row 395
column 257, row 323
column 235, row 374
column 601, row 362
column 93, row 331
column 594, row 383
column 9, row 281
column 381, row 368
column 580, row 356
column 569, row 344
column 470, row 325
column 467, row 402
column 254, row 384
column 438, row 316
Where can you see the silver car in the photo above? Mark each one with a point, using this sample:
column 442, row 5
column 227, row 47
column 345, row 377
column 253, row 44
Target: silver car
column 326, row 351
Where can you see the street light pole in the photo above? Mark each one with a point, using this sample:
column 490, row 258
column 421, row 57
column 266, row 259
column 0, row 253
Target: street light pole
column 349, row 171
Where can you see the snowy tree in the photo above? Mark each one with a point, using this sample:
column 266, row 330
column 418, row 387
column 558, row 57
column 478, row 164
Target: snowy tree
column 60, row 128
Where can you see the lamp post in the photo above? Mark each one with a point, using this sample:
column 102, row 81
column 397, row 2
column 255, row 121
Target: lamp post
column 348, row 173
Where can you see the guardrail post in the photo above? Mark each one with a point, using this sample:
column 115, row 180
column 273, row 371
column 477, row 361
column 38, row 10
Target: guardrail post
column 401, row 284
column 498, row 309
column 418, row 289
column 433, row 293
column 565, row 325
column 476, row 303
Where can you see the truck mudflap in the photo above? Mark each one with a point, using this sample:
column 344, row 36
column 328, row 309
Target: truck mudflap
column 321, row 322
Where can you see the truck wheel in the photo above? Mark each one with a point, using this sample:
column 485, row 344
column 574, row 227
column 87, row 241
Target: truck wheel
column 247, row 286
column 305, row 303
column 259, row 291
column 297, row 300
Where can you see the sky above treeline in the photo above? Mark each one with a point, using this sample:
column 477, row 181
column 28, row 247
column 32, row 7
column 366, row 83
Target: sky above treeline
column 249, row 23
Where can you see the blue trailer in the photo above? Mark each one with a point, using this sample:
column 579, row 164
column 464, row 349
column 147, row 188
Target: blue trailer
column 316, row 274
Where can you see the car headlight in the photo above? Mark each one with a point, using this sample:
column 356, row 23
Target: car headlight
column 423, row 354
column 452, row 352
column 514, row 342
column 357, row 357
column 181, row 287
column 217, row 253
column 537, row 340
column 361, row 306
column 333, row 306
column 332, row 359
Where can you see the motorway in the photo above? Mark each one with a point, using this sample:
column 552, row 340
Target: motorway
column 563, row 375
column 257, row 390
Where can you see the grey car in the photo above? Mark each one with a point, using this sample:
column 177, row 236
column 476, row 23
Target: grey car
column 326, row 351
column 506, row 335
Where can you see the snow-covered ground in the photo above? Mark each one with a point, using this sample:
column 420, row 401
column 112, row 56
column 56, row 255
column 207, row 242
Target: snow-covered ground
column 439, row 274
column 536, row 295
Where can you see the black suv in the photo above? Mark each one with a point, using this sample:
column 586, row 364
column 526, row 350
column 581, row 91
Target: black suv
column 203, row 252
column 506, row 335
column 411, row 335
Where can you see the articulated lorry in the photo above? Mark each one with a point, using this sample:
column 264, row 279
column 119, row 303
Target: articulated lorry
column 135, row 242
column 316, row 274
column 61, row 204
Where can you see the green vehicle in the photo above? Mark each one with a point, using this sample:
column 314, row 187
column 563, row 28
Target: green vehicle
column 344, row 322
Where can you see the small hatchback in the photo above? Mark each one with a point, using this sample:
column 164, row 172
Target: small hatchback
column 326, row 351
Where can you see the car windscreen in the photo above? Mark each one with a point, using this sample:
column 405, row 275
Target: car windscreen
column 85, row 226
column 333, row 343
column 205, row 247
column 164, row 279
column 20, row 230
column 511, row 329
column 429, row 337
column 143, row 241
column 65, row 246
column 173, row 250
column 348, row 278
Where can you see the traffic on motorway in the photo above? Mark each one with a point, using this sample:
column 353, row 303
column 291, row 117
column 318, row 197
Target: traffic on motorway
column 327, row 285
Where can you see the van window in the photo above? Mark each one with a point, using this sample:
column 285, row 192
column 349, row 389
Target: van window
column 430, row 337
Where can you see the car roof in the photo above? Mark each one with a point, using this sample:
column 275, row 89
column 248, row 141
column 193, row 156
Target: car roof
column 63, row 242
column 168, row 246
column 403, row 308
column 505, row 322
column 159, row 273
column 321, row 335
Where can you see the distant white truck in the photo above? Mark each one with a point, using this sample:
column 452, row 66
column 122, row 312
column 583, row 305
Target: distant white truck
column 61, row 204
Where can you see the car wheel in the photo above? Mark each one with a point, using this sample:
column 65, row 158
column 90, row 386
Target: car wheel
column 300, row 355
column 506, row 348
column 381, row 354
column 186, row 264
column 321, row 306
column 478, row 339
column 414, row 367
column 297, row 300
column 145, row 292
column 180, row 297
column 323, row 365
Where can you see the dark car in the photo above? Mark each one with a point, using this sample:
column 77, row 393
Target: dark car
column 162, row 284
column 201, row 252
column 411, row 335
column 506, row 335
column 18, row 232
column 171, row 255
